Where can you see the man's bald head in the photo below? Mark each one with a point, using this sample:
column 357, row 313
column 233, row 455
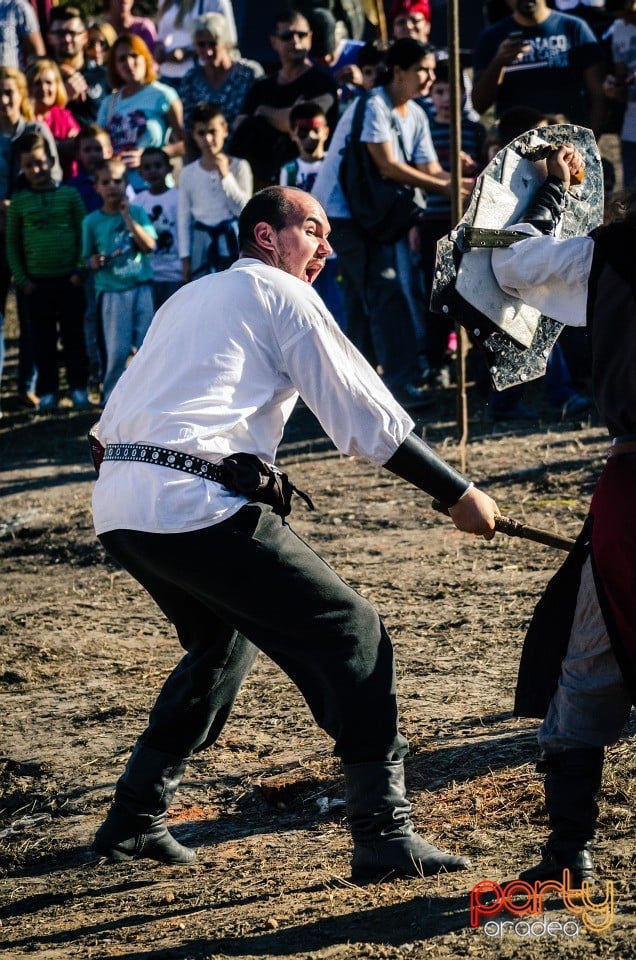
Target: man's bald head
column 274, row 205
column 286, row 228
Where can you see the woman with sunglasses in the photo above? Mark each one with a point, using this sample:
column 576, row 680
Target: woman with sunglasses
column 221, row 75
column 101, row 37
column 174, row 50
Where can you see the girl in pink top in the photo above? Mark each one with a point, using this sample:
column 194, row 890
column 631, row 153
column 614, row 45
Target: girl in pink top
column 48, row 95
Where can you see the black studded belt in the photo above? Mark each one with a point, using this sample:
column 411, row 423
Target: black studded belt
column 163, row 457
column 243, row 473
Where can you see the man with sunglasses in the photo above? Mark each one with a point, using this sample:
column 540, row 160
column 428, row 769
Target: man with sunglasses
column 262, row 135
column 86, row 83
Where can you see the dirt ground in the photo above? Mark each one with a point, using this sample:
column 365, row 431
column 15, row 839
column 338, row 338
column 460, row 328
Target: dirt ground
column 84, row 651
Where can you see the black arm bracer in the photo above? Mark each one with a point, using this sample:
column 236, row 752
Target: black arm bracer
column 547, row 208
column 418, row 463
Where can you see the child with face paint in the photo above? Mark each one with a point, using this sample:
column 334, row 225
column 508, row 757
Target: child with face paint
column 309, row 132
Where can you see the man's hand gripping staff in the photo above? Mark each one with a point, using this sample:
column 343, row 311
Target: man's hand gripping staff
column 471, row 510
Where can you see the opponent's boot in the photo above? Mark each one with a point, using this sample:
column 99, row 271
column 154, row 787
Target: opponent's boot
column 135, row 825
column 385, row 842
column 572, row 780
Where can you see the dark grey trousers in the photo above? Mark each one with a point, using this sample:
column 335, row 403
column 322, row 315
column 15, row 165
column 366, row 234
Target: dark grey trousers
column 248, row 584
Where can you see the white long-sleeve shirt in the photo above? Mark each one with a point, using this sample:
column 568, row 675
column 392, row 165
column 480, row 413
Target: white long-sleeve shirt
column 219, row 372
column 547, row 273
column 205, row 197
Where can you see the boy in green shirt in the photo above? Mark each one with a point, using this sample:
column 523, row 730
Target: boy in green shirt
column 44, row 240
column 116, row 241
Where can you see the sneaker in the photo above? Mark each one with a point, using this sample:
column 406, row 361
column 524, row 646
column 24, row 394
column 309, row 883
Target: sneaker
column 48, row 401
column 80, row 400
column 29, row 400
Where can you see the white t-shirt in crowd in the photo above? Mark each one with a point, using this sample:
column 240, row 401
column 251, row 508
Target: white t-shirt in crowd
column 205, row 197
column 219, row 372
column 162, row 210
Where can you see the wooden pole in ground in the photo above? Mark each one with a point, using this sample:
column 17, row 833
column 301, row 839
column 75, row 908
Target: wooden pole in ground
column 456, row 206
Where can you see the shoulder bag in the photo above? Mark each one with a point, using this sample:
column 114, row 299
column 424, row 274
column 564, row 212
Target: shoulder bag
column 383, row 208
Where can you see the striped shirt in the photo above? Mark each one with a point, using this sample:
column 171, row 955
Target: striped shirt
column 44, row 233
column 438, row 207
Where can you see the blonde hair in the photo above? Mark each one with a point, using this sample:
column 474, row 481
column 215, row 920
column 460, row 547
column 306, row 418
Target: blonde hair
column 106, row 29
column 35, row 70
column 12, row 73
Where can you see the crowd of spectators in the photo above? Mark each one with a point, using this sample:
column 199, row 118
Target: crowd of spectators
column 131, row 139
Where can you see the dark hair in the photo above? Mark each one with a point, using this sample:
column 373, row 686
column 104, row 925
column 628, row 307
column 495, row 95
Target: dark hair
column 370, row 55
column 517, row 120
column 403, row 54
column 205, row 111
column 65, row 11
column 323, row 32
column 270, row 205
column 109, row 164
column 305, row 111
column 442, row 74
column 29, row 142
column 156, row 152
column 286, row 15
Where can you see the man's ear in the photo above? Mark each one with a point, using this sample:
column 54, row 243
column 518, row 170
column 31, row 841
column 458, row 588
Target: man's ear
column 265, row 235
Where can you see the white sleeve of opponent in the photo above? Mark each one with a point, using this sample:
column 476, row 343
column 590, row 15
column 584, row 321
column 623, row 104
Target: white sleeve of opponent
column 547, row 273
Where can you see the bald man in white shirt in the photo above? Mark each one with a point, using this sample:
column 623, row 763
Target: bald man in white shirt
column 219, row 374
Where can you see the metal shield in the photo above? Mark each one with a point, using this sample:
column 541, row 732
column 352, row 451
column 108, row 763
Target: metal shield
column 516, row 338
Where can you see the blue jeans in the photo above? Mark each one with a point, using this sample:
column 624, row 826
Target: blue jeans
column 378, row 315
column 628, row 155
column 125, row 318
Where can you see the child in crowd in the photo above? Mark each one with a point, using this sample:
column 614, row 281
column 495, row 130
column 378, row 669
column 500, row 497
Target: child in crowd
column 212, row 192
column 440, row 336
column 116, row 242
column 370, row 62
column 44, row 243
column 92, row 145
column 160, row 203
column 309, row 132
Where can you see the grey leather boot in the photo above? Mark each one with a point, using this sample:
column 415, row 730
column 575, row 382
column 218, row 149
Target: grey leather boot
column 572, row 780
column 385, row 842
column 135, row 825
